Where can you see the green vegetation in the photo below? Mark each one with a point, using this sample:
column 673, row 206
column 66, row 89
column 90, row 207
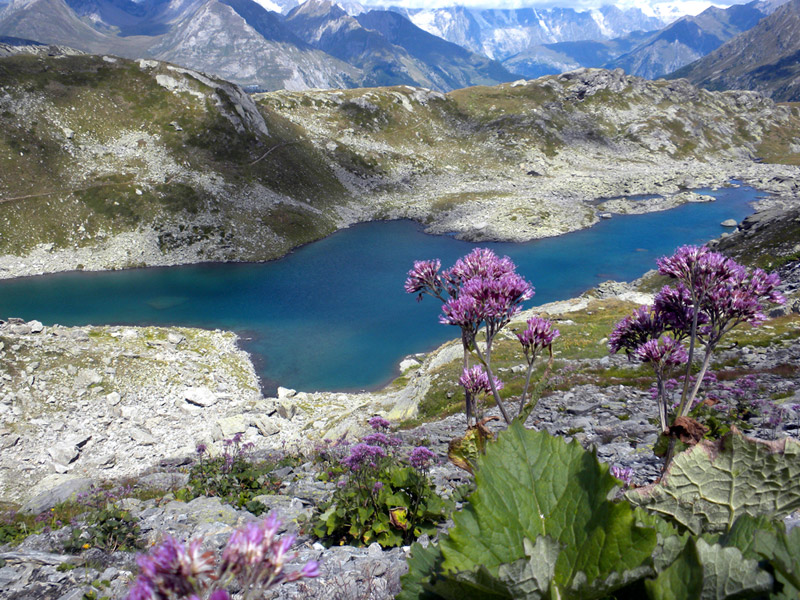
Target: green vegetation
column 540, row 525
column 233, row 476
column 380, row 496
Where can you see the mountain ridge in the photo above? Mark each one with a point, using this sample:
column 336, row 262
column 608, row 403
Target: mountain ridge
column 763, row 59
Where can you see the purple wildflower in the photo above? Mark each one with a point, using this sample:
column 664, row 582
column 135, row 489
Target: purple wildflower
column 475, row 380
column 379, row 423
column 424, row 278
column 538, row 335
column 362, row 455
column 634, row 330
column 201, row 449
column 421, row 458
column 377, row 487
column 376, row 439
column 624, row 474
column 664, row 351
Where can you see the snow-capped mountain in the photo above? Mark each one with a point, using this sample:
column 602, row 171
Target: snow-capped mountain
column 503, row 33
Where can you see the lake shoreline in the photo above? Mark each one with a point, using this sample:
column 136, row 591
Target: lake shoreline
column 474, row 221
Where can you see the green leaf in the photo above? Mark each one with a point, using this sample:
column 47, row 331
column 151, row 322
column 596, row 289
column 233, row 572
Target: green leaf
column 423, row 564
column 744, row 531
column 726, row 573
column 682, row 579
column 530, row 577
column 782, row 550
column 707, row 487
column 531, row 485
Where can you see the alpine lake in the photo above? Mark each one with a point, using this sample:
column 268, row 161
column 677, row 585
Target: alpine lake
column 333, row 315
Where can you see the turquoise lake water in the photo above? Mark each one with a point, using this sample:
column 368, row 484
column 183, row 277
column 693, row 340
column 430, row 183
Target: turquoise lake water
column 333, row 315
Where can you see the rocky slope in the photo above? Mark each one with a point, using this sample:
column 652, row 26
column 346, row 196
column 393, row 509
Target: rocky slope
column 107, row 163
column 763, row 59
column 148, row 395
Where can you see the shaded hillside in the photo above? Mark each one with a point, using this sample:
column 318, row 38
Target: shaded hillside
column 390, row 50
column 689, row 38
column 766, row 59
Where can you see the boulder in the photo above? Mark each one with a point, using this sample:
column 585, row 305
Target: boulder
column 53, row 490
column 729, row 223
column 229, row 426
column 200, row 396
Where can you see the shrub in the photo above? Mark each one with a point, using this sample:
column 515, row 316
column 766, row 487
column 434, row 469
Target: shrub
column 104, row 524
column 381, row 496
column 233, row 476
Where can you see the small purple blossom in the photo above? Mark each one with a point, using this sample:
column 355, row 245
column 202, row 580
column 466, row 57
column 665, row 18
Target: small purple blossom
column 377, row 487
column 475, row 380
column 539, row 334
column 379, row 423
column 201, row 449
column 362, row 455
column 664, row 351
column 624, row 474
column 421, row 458
column 254, row 555
column 424, row 278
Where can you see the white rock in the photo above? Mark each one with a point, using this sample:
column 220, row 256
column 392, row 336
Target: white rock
column 200, row 396
column 729, row 223
column 408, row 363
column 142, row 436
column 63, row 454
column 284, row 393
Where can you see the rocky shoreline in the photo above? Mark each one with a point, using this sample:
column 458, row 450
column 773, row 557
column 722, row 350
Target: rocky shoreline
column 578, row 196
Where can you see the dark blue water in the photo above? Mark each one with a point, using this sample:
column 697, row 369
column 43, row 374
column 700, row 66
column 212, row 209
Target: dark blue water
column 333, row 315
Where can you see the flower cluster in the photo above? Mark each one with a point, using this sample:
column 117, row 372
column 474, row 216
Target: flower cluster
column 538, row 334
column 424, row 278
column 476, row 381
column 254, row 556
column 713, row 294
column 363, row 455
column 479, row 291
column 665, row 351
column 381, row 495
column 421, row 458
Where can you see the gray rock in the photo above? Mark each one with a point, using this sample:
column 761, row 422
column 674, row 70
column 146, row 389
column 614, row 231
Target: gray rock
column 36, row 326
column 52, row 490
column 64, row 453
column 229, row 426
column 729, row 223
column 142, row 436
column 86, row 378
column 285, row 393
column 267, row 426
column 164, row 481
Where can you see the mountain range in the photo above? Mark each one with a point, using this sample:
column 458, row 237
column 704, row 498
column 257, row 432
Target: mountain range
column 765, row 58
column 316, row 45
column 282, row 44
column 690, row 38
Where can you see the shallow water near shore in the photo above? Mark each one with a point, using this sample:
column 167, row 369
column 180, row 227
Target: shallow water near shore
column 333, row 314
